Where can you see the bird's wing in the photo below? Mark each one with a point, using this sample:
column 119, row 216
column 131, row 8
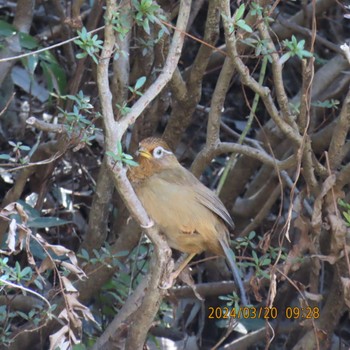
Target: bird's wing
column 204, row 195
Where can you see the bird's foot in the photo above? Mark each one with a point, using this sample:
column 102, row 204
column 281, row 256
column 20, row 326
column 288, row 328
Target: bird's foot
column 149, row 225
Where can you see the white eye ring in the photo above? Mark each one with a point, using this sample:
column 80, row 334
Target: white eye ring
column 158, row 152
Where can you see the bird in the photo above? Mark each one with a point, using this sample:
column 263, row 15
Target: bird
column 190, row 216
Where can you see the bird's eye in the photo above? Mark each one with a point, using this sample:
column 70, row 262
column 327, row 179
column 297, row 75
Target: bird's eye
column 158, row 152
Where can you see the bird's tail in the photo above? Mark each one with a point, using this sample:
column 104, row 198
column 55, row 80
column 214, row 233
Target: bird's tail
column 231, row 259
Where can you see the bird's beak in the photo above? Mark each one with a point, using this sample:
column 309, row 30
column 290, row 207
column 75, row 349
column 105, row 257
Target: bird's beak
column 144, row 153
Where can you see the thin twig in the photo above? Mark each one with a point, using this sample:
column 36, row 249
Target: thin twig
column 46, row 48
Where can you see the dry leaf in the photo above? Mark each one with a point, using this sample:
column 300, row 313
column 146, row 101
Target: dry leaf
column 273, row 289
column 23, row 233
column 10, row 209
column 59, row 339
column 255, row 285
column 77, row 305
column 68, row 285
column 75, row 269
column 11, row 238
column 23, row 215
column 30, row 256
column 57, row 249
column 45, row 265
column 63, row 315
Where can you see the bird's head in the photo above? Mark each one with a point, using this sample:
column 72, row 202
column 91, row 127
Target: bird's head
column 153, row 155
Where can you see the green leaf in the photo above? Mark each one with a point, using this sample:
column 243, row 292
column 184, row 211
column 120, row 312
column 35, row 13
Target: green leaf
column 55, row 76
column 305, row 53
column 130, row 162
column 27, row 41
column 266, row 261
column 43, row 222
column 127, row 156
column 145, row 26
column 347, row 216
column 22, row 314
column 18, row 268
column 265, row 274
column 32, row 212
column 239, row 12
column 119, row 148
column 7, row 29
column 5, row 156
column 140, row 82
column 85, row 254
column 31, row 63
column 81, row 55
column 284, row 58
column 251, row 235
column 241, row 23
column 26, row 271
column 110, row 154
column 343, row 204
column 121, row 254
column 255, row 257
column 38, row 283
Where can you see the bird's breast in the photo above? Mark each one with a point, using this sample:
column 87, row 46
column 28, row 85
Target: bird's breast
column 188, row 225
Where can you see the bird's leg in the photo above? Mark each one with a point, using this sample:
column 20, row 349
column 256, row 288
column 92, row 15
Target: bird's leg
column 182, row 263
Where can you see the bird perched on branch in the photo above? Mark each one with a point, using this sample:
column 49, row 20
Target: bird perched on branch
column 192, row 217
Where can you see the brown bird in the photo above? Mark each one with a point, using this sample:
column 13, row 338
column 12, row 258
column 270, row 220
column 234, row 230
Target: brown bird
column 192, row 217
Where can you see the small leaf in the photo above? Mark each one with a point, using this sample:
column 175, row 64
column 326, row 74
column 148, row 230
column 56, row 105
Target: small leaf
column 5, row 156
column 119, row 148
column 244, row 26
column 146, row 27
column 43, row 222
column 347, row 216
column 239, row 13
column 81, row 55
column 7, row 29
column 25, row 148
column 131, row 162
column 255, row 257
column 27, row 41
column 140, row 82
column 251, row 235
column 127, row 156
column 285, row 57
column 26, row 271
column 85, row 254
column 121, row 254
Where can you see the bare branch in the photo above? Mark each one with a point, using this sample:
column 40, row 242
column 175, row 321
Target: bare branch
column 207, row 154
column 248, row 80
column 339, row 135
column 217, row 102
column 167, row 73
column 277, row 74
column 44, row 126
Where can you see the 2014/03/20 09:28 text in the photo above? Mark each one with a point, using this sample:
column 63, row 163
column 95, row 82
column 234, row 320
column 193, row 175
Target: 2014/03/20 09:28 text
column 264, row 312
